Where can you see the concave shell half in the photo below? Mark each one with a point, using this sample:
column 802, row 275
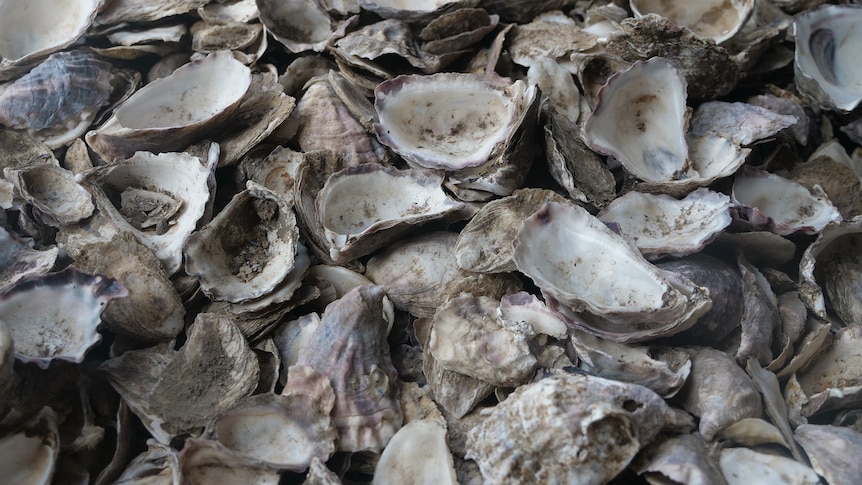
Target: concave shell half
column 640, row 119
column 588, row 269
column 247, row 249
column 30, row 455
column 831, row 263
column 718, row 20
column 37, row 28
column 450, row 121
column 173, row 112
column 826, row 63
column 56, row 316
column 364, row 208
column 661, row 225
column 179, row 185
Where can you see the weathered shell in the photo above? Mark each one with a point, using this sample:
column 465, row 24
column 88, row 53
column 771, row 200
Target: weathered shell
column 56, row 316
column 285, row 432
column 173, row 112
column 153, row 311
column 36, row 29
column 30, row 454
column 54, row 191
column 741, row 123
column 176, row 392
column 59, row 98
column 17, row 259
column 522, row 307
column 834, row 380
column 706, row 395
column 717, row 20
column 393, row 203
column 569, row 254
column 827, row 40
column 247, row 249
column 136, row 11
column 450, row 121
column 679, row 459
column 299, row 25
column 417, row 453
column 467, row 338
column 421, row 11
column 660, row 225
column 485, row 243
column 202, row 462
column 832, row 451
column 760, row 317
column 349, row 347
column 435, row 276
column 344, row 280
column 594, row 427
column 7, row 372
column 743, row 466
column 783, row 206
column 158, row 198
column 753, row 432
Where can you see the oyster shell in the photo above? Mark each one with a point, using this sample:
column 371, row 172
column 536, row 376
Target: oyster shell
column 7, row 372
column 742, row 466
column 17, row 259
column 679, row 459
column 152, row 119
column 54, row 192
column 299, row 25
column 202, row 462
column 394, row 202
column 247, row 250
column 826, row 45
column 594, row 427
column 56, row 316
column 36, row 29
column 417, row 453
column 831, row 450
column 570, row 255
column 158, row 198
column 718, row 20
column 30, row 454
column 349, row 347
column 661, row 225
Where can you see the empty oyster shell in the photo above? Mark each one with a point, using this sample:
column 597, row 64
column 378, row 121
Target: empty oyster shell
column 247, row 249
column 832, row 264
column 177, row 392
column 679, row 459
column 718, row 20
column 831, row 450
column 417, row 453
column 158, row 198
column 54, row 191
column 661, row 225
column 349, row 347
column 36, row 29
column 203, row 462
column 825, row 66
column 570, row 255
column 30, row 454
column 57, row 315
column 451, row 121
column 17, row 259
column 393, row 203
column 209, row 91
column 743, row 466
column 299, row 25
column 784, row 207
column 594, row 427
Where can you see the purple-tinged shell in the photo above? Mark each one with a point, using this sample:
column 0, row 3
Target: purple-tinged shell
column 56, row 316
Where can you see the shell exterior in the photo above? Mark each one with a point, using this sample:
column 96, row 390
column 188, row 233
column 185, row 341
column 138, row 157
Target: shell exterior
column 595, row 427
column 570, row 254
column 39, row 28
column 17, row 259
column 661, row 225
column 741, row 123
column 155, row 381
column 394, row 202
column 826, row 46
column 151, row 119
column 450, row 121
column 683, row 459
column 159, row 460
column 467, row 338
column 165, row 197
column 247, row 249
column 7, row 372
column 421, row 11
column 203, row 462
column 56, row 316
column 54, row 191
column 344, row 280
column 739, row 465
column 830, row 449
column 522, row 307
column 716, row 20
column 350, row 348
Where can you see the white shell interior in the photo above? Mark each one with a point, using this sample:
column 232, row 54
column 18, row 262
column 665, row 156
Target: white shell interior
column 417, row 453
column 789, row 205
column 640, row 120
column 415, row 5
column 662, row 225
column 192, row 94
column 26, row 459
column 715, row 19
column 42, row 25
column 575, row 257
column 446, row 121
column 827, row 50
column 297, row 21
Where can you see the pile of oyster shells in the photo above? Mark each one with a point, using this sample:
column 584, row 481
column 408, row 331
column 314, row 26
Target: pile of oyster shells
column 475, row 241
